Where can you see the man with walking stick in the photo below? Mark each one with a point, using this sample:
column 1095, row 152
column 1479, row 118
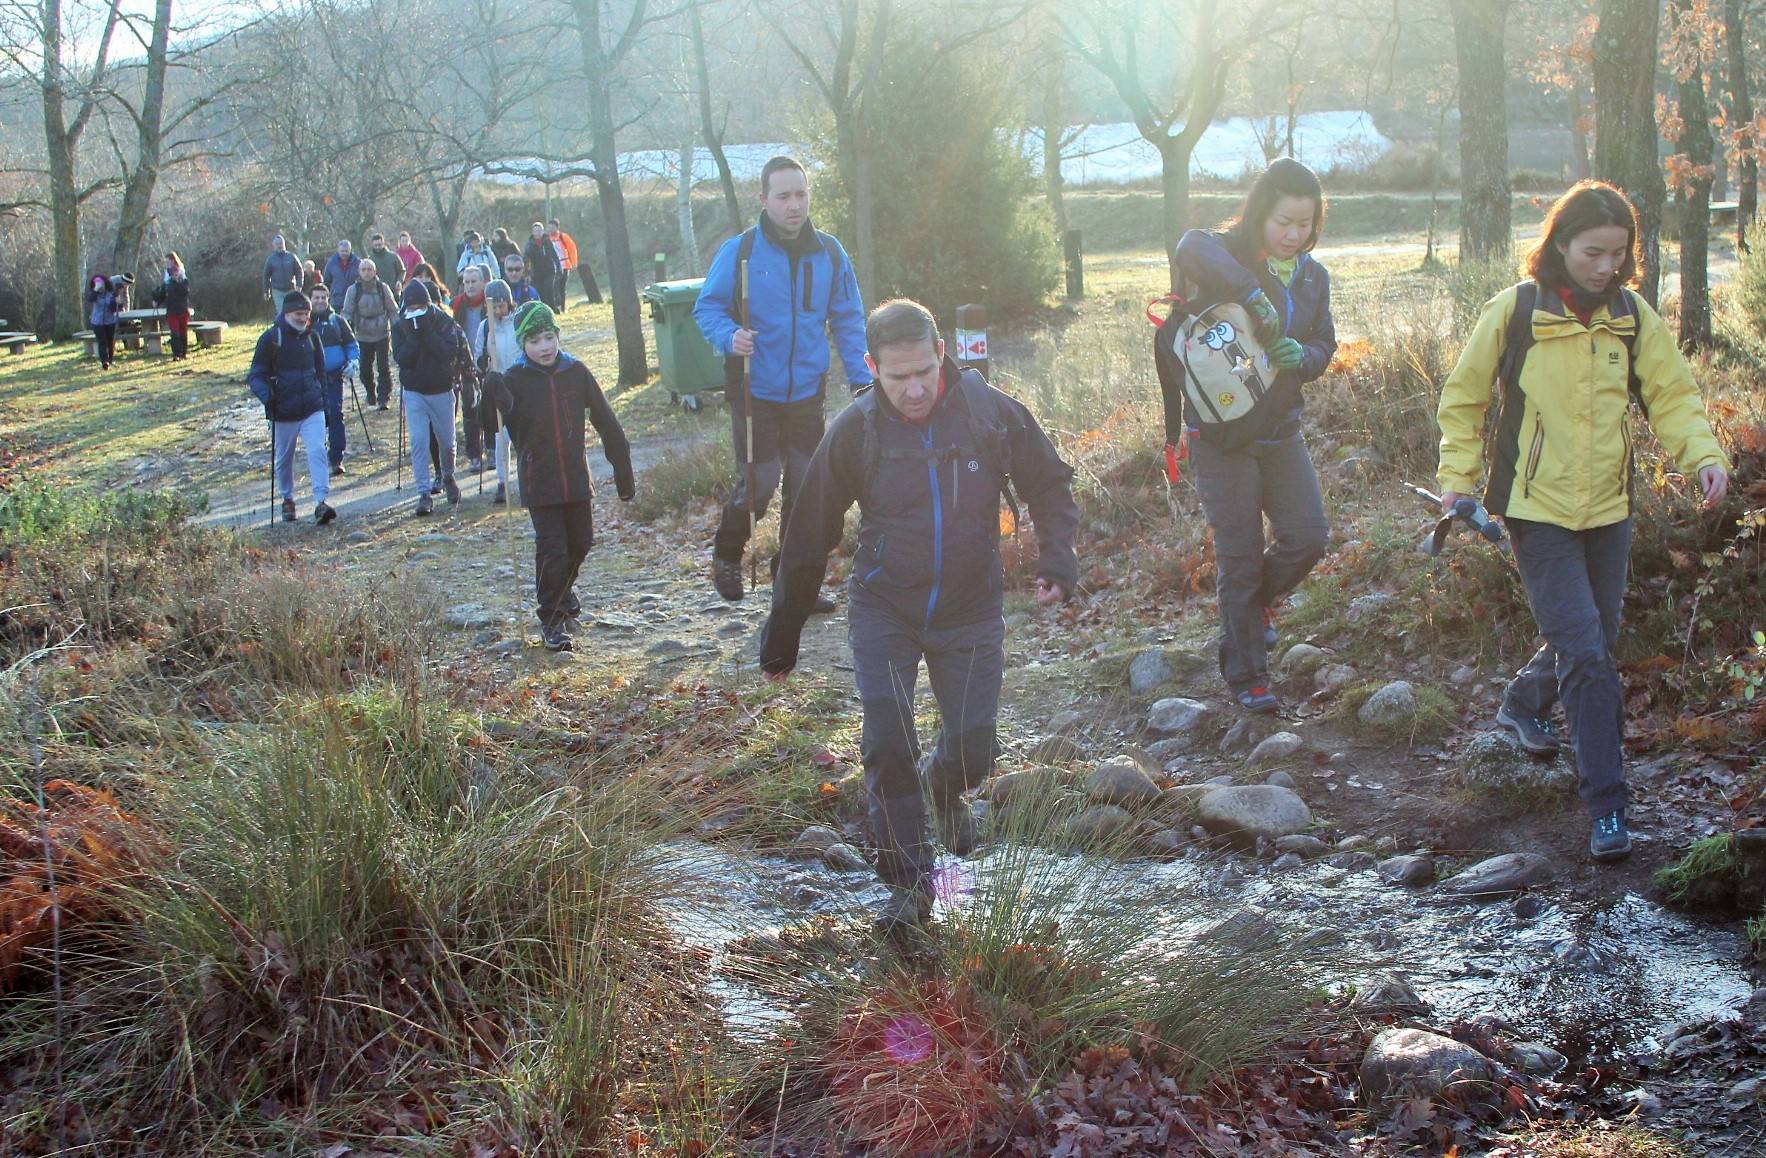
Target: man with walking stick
column 288, row 377
column 772, row 327
column 341, row 353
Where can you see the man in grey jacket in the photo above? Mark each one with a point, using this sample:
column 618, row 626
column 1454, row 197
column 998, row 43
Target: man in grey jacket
column 370, row 309
column 281, row 273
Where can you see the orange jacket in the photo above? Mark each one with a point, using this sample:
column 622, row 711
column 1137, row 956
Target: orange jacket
column 569, row 244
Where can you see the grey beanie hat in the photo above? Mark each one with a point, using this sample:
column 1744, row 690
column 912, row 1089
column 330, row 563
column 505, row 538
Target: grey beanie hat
column 498, row 291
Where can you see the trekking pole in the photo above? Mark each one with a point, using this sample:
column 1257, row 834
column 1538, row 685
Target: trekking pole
column 359, row 412
column 499, row 420
column 398, row 478
column 272, row 520
column 747, row 426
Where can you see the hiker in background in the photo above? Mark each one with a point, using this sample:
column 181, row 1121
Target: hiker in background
column 342, row 269
column 800, row 288
column 521, row 287
column 497, row 350
column 541, row 257
column 173, row 295
column 469, row 313
column 282, row 273
column 474, row 252
column 544, row 397
column 288, row 377
column 106, row 298
column 426, row 344
column 341, row 361
column 309, row 276
column 927, row 456
column 393, row 270
column 1263, row 259
column 1563, row 355
column 410, row 257
column 502, row 246
column 565, row 246
column 438, row 292
column 371, row 309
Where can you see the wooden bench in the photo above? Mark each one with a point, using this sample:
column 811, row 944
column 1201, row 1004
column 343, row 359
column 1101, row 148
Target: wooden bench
column 209, row 334
column 16, row 343
column 130, row 339
column 1724, row 212
column 90, row 339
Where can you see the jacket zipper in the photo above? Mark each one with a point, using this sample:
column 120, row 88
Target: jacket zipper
column 1533, row 455
column 558, row 425
column 876, row 558
column 937, row 527
column 791, row 357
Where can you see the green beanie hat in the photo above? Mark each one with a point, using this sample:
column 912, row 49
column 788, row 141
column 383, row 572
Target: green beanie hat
column 536, row 318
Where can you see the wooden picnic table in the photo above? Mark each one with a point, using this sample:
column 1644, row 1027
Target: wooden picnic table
column 147, row 327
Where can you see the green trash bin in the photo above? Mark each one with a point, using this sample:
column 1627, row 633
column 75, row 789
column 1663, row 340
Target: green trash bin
column 689, row 364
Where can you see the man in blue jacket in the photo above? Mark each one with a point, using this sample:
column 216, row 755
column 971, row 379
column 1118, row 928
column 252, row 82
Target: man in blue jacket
column 342, row 270
column 801, row 288
column 288, row 377
column 341, row 361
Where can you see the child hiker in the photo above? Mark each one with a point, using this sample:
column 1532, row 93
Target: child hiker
column 497, row 350
column 544, row 397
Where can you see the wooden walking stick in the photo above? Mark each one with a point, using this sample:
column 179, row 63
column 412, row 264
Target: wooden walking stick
column 498, row 423
column 747, row 425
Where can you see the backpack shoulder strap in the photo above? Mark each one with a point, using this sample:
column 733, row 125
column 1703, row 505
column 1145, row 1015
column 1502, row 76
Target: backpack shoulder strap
column 1518, row 338
column 1633, row 384
column 744, row 250
column 989, row 422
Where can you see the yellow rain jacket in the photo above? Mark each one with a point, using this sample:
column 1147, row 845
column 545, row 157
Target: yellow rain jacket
column 1561, row 449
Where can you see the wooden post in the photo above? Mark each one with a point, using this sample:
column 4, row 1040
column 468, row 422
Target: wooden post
column 972, row 338
column 662, row 267
column 1070, row 242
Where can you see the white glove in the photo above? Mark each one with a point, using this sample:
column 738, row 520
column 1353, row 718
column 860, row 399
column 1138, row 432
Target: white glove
column 350, row 368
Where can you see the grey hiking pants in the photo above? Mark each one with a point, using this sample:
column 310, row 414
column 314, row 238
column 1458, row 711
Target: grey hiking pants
column 430, row 414
column 1238, row 488
column 964, row 665
column 311, row 432
column 1575, row 584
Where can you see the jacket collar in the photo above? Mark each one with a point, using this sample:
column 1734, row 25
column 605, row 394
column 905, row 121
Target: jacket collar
column 564, row 359
column 806, row 241
column 1552, row 318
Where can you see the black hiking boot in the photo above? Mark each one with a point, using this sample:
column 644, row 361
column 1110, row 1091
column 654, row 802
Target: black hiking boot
column 906, row 911
column 425, row 505
column 323, row 514
column 822, row 606
column 501, row 497
column 1535, row 733
column 1610, row 839
column 726, row 576
column 288, row 510
column 337, row 469
column 555, row 637
column 452, row 488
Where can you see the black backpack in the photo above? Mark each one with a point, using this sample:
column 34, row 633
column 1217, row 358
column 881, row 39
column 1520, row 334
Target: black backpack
column 989, row 422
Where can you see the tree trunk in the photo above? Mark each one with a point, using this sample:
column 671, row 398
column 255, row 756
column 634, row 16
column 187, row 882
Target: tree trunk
column 1174, row 187
column 714, row 139
column 1692, row 197
column 1741, row 115
column 1625, row 142
column 135, row 213
column 864, row 185
column 684, row 210
column 1484, row 230
column 622, row 277
column 1053, row 126
column 1581, row 167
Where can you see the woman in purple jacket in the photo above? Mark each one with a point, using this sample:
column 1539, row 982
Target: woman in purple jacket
column 1263, row 259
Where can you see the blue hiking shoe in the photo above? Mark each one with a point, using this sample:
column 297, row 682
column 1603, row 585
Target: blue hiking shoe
column 1611, row 840
column 1534, row 732
column 1259, row 700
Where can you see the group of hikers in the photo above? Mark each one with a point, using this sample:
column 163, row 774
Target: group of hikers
column 929, row 450
column 108, row 298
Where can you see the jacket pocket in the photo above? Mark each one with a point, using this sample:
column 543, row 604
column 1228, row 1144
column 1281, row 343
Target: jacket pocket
column 1534, row 454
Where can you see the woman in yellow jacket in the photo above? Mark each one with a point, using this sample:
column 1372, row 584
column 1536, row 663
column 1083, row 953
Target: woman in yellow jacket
column 1562, row 356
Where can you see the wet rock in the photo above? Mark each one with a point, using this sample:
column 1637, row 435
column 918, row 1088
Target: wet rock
column 1166, row 843
column 1500, row 875
column 1253, row 810
column 1364, row 607
column 1148, row 670
column 1248, row 732
column 1275, row 748
column 1334, row 677
column 1121, row 781
column 1305, row 844
column 1414, row 1063
column 1014, row 787
column 1099, row 825
column 1351, row 862
column 1177, row 715
column 1526, row 908
column 1643, row 1103
column 1303, row 659
column 1391, row 709
column 1495, row 762
column 1288, row 860
column 1281, row 780
column 1388, row 993
column 470, row 615
column 842, row 857
column 1532, row 1057
column 1056, row 750
column 1409, row 871
column 813, row 842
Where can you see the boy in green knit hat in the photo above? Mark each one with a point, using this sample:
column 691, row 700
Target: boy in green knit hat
column 544, row 397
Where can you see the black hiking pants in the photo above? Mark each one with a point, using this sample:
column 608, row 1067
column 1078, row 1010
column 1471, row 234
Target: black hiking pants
column 563, row 533
column 786, row 434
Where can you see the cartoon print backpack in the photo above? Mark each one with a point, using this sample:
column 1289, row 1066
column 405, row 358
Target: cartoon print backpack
column 1213, row 372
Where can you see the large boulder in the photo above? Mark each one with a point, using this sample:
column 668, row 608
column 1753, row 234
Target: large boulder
column 1303, row 659
column 1391, row 709
column 1414, row 1063
column 1014, row 787
column 1499, row 876
column 1495, row 763
column 1121, row 781
column 1388, row 993
column 1275, row 748
column 1408, row 870
column 1253, row 810
column 1180, row 716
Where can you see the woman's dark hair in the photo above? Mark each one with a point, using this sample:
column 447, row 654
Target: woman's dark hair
column 1285, row 177
column 425, row 271
column 1587, row 205
column 172, row 256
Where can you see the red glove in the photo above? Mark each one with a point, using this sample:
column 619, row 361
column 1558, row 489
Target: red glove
column 1173, row 456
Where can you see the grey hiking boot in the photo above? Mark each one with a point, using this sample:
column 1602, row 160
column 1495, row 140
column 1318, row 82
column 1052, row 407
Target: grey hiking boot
column 905, row 911
column 555, row 637
column 1610, row 839
column 1535, row 733
column 425, row 505
column 726, row 576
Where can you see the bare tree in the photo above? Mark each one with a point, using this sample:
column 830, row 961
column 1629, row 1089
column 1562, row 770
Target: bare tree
column 1478, row 29
column 1691, row 44
column 1112, row 37
column 1741, row 118
column 1625, row 151
column 711, row 131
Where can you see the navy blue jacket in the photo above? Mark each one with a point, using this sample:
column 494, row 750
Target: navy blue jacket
column 929, row 512
column 793, row 304
column 428, row 349
column 1206, row 259
column 288, row 372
